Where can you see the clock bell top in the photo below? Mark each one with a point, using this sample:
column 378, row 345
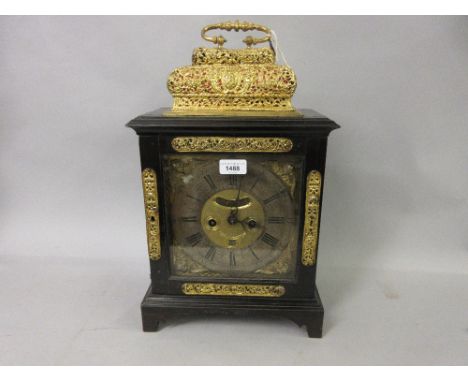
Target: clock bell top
column 228, row 82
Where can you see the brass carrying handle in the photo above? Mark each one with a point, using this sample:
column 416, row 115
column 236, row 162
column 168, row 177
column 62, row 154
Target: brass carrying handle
column 237, row 26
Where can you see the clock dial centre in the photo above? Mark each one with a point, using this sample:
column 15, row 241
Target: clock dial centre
column 232, row 218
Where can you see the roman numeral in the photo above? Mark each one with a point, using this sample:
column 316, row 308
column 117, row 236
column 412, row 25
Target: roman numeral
column 232, row 259
column 194, row 239
column 210, row 254
column 189, row 219
column 233, row 180
column 275, row 196
column 276, row 219
column 210, row 182
column 270, row 240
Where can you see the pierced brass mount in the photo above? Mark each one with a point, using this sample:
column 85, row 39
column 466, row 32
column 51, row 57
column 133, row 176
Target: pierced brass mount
column 231, row 144
column 311, row 218
column 244, row 290
column 150, row 194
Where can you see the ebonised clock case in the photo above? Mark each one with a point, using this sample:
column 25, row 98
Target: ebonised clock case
column 164, row 299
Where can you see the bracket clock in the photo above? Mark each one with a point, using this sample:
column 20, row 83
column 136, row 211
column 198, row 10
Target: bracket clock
column 233, row 182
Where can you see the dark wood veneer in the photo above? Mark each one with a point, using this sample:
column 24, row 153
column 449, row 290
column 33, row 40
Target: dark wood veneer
column 164, row 299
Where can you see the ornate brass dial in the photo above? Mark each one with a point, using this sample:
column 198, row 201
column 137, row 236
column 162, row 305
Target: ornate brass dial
column 232, row 224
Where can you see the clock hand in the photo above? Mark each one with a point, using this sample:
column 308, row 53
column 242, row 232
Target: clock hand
column 239, row 189
column 243, row 225
column 238, row 195
column 232, row 219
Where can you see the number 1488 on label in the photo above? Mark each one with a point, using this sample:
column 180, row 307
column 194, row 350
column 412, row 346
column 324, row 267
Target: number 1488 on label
column 233, row 166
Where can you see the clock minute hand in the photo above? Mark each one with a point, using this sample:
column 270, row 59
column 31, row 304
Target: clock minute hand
column 232, row 218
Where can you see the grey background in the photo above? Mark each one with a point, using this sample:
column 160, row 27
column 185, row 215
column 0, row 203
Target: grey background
column 393, row 251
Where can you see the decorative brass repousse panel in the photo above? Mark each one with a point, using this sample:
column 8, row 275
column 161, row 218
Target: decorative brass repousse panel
column 240, row 80
column 231, row 144
column 150, row 193
column 246, row 290
column 311, row 218
column 222, row 56
column 220, row 89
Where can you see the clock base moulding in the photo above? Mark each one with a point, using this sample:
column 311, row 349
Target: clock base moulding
column 160, row 308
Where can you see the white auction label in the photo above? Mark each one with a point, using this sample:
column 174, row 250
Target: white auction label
column 233, row 166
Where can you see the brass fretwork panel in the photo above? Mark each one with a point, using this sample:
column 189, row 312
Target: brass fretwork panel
column 245, row 290
column 150, row 192
column 231, row 144
column 312, row 217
